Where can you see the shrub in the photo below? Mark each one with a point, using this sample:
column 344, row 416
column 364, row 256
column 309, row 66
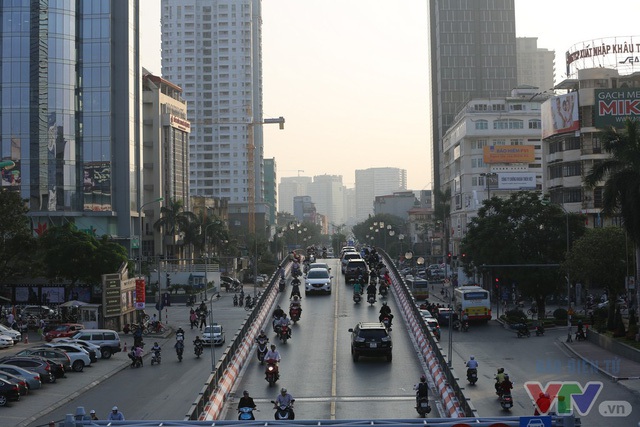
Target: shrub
column 560, row 314
column 516, row 314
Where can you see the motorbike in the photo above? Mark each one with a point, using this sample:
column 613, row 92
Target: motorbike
column 324, row 254
column 294, row 314
column 523, row 331
column 281, row 285
column 371, row 299
column 246, row 414
column 284, row 333
column 295, row 290
column 472, row 376
column 386, row 321
column 465, row 326
column 136, row 362
column 506, row 401
column 283, row 412
column 271, row 373
column 357, row 297
column 423, row 406
column 198, row 350
column 580, row 335
column 539, row 330
column 155, row 357
column 262, row 350
column 235, row 300
column 384, row 290
column 179, row 350
column 456, row 325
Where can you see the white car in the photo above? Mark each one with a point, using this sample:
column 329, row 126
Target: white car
column 319, row 265
column 317, row 280
column 78, row 355
column 213, row 333
column 6, row 341
column 15, row 335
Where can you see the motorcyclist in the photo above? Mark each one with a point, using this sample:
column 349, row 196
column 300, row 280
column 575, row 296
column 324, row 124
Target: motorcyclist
column 198, row 342
column 422, row 389
column 180, row 334
column 472, row 364
column 284, row 321
column 246, row 401
column 506, row 386
column 580, row 330
column 179, row 346
column 499, row 379
column 285, row 399
column 295, row 304
column 371, row 290
column 277, row 315
column 262, row 337
column 295, row 288
column 273, row 357
column 385, row 311
column 357, row 287
column 156, row 348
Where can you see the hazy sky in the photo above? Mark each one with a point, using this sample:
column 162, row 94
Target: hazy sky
column 350, row 76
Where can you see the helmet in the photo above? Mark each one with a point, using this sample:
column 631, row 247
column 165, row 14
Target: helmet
column 155, row 343
column 500, row 370
column 273, row 346
column 197, row 337
column 283, row 390
column 296, row 297
column 423, row 378
column 384, row 303
column 472, row 357
column 115, row 408
column 506, row 376
column 262, row 332
column 246, row 393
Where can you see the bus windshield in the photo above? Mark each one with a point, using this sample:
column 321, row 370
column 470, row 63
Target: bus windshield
column 476, row 295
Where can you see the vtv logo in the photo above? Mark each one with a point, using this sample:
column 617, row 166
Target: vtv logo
column 574, row 396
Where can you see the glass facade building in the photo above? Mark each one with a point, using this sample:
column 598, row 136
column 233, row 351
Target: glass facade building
column 70, row 117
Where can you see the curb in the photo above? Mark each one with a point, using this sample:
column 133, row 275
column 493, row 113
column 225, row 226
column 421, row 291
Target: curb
column 594, row 365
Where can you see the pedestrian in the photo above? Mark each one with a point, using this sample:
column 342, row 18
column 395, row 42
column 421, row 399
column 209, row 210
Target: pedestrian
column 93, row 415
column 542, row 404
column 52, row 424
column 203, row 320
column 193, row 318
column 115, row 415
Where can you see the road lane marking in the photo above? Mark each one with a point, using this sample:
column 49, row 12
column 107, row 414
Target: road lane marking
column 334, row 365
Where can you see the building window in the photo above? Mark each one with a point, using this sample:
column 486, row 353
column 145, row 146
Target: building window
column 535, row 124
column 482, row 124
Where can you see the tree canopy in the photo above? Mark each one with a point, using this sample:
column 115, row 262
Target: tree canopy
column 16, row 243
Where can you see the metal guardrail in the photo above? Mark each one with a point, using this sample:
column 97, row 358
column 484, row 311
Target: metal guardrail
column 210, row 386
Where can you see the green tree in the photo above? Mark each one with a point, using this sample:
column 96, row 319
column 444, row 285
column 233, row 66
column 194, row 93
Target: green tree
column 17, row 243
column 521, row 230
column 173, row 221
column 621, row 175
column 599, row 259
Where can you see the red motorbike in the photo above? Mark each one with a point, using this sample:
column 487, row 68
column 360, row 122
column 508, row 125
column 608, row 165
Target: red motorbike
column 294, row 314
column 271, row 373
column 284, row 334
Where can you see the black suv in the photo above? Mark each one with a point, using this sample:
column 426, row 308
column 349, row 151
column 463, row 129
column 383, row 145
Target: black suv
column 370, row 339
column 351, row 271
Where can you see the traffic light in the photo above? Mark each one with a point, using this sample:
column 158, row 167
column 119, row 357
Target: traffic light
column 449, row 258
column 497, row 283
column 168, row 281
column 464, row 257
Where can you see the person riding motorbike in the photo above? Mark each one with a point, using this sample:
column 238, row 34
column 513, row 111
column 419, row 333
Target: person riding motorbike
column 357, row 287
column 506, row 386
column 285, row 399
column 295, row 304
column 198, row 343
column 284, row 321
column 295, row 288
column 155, row 350
column 246, row 401
column 371, row 291
column 472, row 364
column 499, row 379
column 277, row 315
column 180, row 334
column 385, row 311
column 422, row 389
column 272, row 355
column 262, row 338
column 580, row 331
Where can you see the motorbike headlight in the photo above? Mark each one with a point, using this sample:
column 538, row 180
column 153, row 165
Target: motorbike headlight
column 270, row 368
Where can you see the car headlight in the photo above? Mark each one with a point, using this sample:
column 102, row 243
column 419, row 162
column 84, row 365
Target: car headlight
column 359, row 339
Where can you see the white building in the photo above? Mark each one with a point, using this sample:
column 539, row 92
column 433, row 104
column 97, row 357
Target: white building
column 290, row 187
column 536, row 66
column 327, row 192
column 374, row 182
column 212, row 49
column 492, row 148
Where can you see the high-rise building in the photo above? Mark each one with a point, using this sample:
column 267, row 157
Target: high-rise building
column 374, row 182
column 473, row 55
column 71, row 113
column 212, row 49
column 290, row 187
column 536, row 66
column 327, row 193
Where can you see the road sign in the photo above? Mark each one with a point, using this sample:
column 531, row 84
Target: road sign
column 539, row 421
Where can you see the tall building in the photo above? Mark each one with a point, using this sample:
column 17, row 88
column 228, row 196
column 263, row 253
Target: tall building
column 327, row 193
column 536, row 66
column 71, row 113
column 212, row 49
column 473, row 55
column 374, row 182
column 165, row 155
column 291, row 186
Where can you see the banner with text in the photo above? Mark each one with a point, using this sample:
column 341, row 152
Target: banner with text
column 615, row 106
column 508, row 154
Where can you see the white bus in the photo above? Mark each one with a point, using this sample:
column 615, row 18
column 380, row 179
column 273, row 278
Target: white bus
column 473, row 301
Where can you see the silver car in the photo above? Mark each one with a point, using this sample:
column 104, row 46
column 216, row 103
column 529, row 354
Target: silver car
column 213, row 333
column 317, row 280
column 33, row 378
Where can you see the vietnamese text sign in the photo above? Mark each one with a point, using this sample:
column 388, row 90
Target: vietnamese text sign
column 508, row 154
column 615, row 106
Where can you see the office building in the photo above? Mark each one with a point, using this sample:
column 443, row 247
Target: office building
column 536, row 66
column 473, row 55
column 212, row 49
column 374, row 182
column 71, row 113
column 290, row 187
column 327, row 193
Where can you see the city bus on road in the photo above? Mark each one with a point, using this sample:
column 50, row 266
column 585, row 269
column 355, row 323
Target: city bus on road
column 473, row 301
column 418, row 286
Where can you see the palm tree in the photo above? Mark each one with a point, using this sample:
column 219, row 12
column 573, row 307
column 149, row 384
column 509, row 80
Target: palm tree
column 173, row 221
column 621, row 172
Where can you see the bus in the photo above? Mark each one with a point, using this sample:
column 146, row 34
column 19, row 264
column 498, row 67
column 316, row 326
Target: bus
column 419, row 287
column 473, row 301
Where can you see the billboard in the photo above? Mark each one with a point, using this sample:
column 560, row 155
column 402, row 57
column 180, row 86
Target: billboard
column 615, row 106
column 508, row 154
column 516, row 181
column 560, row 115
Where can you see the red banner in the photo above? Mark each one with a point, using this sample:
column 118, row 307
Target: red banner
column 140, row 294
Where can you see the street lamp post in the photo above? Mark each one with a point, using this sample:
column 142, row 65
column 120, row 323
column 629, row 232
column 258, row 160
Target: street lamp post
column 213, row 347
column 401, row 238
column 159, row 199
column 487, row 176
column 206, row 258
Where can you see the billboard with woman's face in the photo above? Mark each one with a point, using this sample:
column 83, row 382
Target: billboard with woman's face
column 560, row 115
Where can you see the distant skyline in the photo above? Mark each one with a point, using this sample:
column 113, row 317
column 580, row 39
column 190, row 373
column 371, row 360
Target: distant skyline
column 350, row 76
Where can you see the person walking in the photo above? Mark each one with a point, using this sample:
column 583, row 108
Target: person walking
column 193, row 318
column 203, row 319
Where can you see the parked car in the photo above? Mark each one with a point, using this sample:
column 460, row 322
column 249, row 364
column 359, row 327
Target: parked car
column 15, row 335
column 213, row 333
column 63, row 330
column 79, row 356
column 40, row 311
column 92, row 349
column 9, row 392
column 58, row 356
column 370, row 339
column 6, row 341
column 23, row 388
column 108, row 340
column 33, row 378
column 38, row 365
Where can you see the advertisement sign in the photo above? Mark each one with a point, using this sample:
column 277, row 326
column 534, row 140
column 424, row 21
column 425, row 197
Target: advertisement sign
column 96, row 186
column 516, row 181
column 508, row 154
column 615, row 106
column 560, row 115
column 620, row 53
column 140, row 294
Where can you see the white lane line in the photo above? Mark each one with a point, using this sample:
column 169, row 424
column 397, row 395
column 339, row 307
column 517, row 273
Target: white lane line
column 334, row 367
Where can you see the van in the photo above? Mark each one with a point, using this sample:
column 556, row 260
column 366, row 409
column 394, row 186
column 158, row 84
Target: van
column 108, row 340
